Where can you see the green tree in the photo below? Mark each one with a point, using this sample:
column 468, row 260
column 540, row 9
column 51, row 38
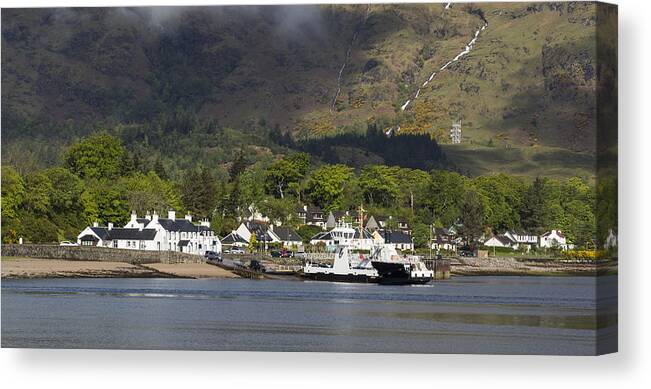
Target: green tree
column 199, row 192
column 97, row 157
column 253, row 243
column 379, row 185
column 472, row 216
column 446, row 196
column 421, row 235
column 148, row 192
column 327, row 185
column 502, row 200
column 285, row 171
column 534, row 214
column 13, row 192
column 66, row 190
column 38, row 189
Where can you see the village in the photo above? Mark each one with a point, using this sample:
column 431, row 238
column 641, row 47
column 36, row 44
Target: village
column 257, row 233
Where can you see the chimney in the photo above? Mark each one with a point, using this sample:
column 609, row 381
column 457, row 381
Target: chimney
column 110, row 226
column 188, row 217
column 148, row 216
column 155, row 216
column 134, row 216
column 205, row 223
column 140, row 227
column 95, row 224
column 171, row 214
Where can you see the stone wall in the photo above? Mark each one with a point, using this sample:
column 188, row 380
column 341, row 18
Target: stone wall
column 82, row 253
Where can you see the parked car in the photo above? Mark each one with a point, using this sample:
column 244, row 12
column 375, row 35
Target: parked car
column 237, row 250
column 466, row 253
column 212, row 256
column 67, row 243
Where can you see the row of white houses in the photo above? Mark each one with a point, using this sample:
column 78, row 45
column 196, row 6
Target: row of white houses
column 154, row 233
column 518, row 241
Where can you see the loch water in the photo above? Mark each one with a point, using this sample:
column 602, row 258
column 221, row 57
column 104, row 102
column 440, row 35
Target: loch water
column 503, row 315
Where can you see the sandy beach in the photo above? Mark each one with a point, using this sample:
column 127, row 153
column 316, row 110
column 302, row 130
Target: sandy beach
column 193, row 270
column 17, row 267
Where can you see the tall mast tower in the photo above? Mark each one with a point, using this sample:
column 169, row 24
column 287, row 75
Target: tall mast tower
column 455, row 132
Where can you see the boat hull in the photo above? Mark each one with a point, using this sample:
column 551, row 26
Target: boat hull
column 395, row 273
column 352, row 278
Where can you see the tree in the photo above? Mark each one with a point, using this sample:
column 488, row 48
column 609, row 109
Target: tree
column 472, row 216
column 421, row 235
column 148, row 192
column 379, row 185
column 534, row 212
column 199, row 192
column 13, row 192
column 66, row 190
column 97, row 157
column 503, row 199
column 253, row 243
column 446, row 196
column 38, row 189
column 282, row 172
column 239, row 165
column 327, row 185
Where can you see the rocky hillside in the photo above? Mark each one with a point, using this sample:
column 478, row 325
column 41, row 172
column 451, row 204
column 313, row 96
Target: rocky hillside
column 527, row 79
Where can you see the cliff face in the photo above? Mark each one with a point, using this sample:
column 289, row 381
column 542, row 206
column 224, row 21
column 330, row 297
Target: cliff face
column 313, row 70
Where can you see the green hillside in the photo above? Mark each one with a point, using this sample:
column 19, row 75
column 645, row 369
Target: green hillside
column 528, row 83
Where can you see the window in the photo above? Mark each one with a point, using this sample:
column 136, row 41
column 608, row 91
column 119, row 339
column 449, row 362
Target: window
column 115, row 244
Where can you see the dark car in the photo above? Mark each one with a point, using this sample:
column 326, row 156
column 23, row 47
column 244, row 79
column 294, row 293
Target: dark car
column 255, row 265
column 286, row 254
column 466, row 253
column 275, row 253
column 212, row 256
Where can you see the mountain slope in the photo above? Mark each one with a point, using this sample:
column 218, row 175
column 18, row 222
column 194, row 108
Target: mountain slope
column 529, row 80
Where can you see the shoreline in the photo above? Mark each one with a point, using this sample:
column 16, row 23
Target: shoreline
column 13, row 268
column 509, row 266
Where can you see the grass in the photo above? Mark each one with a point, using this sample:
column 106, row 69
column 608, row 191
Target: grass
column 528, row 162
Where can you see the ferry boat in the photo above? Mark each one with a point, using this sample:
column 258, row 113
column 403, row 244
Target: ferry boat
column 352, row 262
column 358, row 258
column 396, row 270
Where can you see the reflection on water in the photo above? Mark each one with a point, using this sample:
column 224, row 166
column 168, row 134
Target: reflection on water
column 536, row 315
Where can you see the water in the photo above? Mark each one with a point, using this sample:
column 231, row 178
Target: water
column 506, row 315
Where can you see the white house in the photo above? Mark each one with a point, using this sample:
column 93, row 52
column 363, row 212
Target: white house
column 443, row 239
column 154, row 233
column 119, row 238
column 554, row 239
column 500, row 241
column 522, row 239
column 264, row 234
column 311, row 215
column 398, row 239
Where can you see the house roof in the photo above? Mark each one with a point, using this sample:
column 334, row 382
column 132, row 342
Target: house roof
column 142, row 220
column 124, row 233
column 396, row 237
column 233, row 238
column 182, row 225
column 505, row 240
column 441, row 231
column 287, row 234
column 560, row 234
column 183, row 243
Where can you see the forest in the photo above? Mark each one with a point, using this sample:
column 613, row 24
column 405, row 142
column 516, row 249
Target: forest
column 97, row 178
